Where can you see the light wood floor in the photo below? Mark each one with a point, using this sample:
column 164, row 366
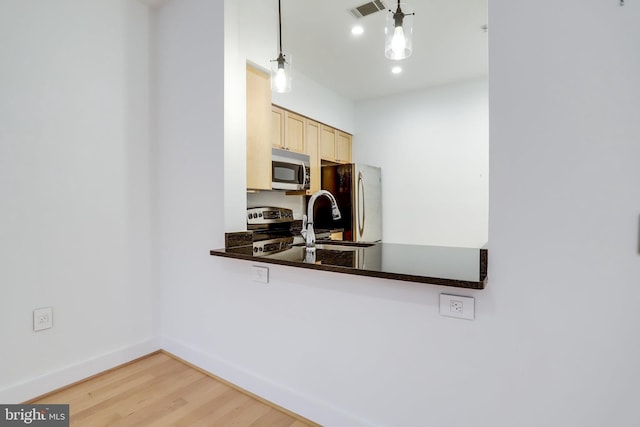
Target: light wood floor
column 159, row 390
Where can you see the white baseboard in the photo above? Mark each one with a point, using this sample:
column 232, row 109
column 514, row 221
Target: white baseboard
column 69, row 374
column 306, row 406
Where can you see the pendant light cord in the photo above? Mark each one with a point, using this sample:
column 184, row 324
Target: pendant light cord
column 280, row 25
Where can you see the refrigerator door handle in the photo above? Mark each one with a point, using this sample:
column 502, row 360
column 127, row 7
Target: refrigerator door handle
column 361, row 210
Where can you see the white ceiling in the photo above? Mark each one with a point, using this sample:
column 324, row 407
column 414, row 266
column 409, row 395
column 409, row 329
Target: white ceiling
column 448, row 45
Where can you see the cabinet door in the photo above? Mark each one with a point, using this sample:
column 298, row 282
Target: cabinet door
column 277, row 127
column 258, row 130
column 327, row 143
column 343, row 147
column 312, row 142
column 294, row 132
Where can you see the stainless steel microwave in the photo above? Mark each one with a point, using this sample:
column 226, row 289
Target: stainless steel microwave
column 289, row 170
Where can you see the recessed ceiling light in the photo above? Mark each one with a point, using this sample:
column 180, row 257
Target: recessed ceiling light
column 357, row 30
column 396, row 70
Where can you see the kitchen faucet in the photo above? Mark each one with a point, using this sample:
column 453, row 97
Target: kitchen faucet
column 307, row 220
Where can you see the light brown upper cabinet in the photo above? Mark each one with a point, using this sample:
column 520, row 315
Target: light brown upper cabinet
column 343, row 147
column 335, row 146
column 258, row 126
column 312, row 142
column 294, row 129
column 327, row 143
column 287, row 130
column 277, row 127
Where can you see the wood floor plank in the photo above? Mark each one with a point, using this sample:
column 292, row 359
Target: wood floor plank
column 207, row 414
column 273, row 418
column 197, row 397
column 243, row 414
column 162, row 391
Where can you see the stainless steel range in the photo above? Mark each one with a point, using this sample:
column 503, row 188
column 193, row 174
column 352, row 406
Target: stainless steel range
column 269, row 218
column 271, row 229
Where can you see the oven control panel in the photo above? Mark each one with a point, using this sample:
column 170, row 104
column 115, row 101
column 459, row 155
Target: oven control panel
column 265, row 216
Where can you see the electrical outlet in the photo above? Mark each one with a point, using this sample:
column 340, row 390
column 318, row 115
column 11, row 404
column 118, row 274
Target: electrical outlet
column 457, row 306
column 42, row 318
column 260, row 274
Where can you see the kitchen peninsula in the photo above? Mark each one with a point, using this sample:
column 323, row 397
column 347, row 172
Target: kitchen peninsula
column 436, row 265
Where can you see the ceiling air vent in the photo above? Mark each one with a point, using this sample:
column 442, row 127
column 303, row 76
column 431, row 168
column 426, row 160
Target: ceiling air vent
column 367, row 9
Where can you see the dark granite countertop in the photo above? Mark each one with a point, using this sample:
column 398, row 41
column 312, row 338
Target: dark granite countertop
column 437, row 265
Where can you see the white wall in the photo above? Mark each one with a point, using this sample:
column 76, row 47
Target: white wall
column 564, row 210
column 433, row 148
column 235, row 136
column 74, row 190
column 553, row 339
column 313, row 100
column 190, row 156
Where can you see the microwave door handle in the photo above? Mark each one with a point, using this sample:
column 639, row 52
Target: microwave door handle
column 304, row 174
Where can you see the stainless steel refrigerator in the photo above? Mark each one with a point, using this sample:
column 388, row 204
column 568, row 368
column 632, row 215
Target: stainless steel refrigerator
column 357, row 189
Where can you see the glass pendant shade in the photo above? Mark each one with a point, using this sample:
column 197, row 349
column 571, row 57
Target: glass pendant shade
column 281, row 73
column 398, row 33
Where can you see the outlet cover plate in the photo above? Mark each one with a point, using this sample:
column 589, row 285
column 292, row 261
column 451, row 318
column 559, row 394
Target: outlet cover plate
column 457, row 306
column 42, row 318
column 260, row 274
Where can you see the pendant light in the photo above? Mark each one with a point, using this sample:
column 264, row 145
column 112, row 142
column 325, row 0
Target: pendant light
column 281, row 66
column 398, row 34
